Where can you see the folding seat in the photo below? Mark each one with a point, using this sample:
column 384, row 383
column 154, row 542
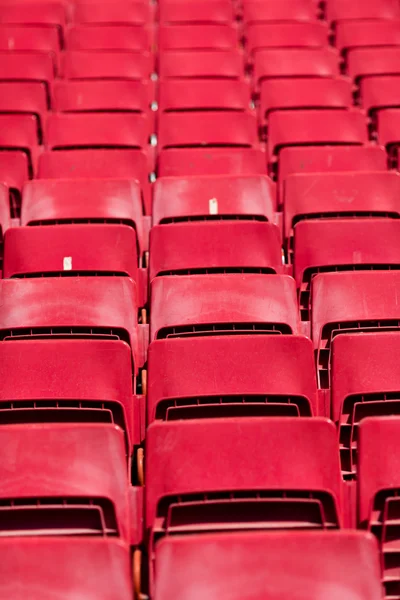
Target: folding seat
column 365, row 383
column 210, row 198
column 201, row 248
column 211, row 161
column 112, row 13
column 214, row 11
column 331, row 245
column 354, row 302
column 81, row 64
column 227, row 376
column 388, row 130
column 213, row 129
column 107, row 37
column 380, row 92
column 96, row 131
column 18, row 132
column 299, row 62
column 286, row 474
column 27, row 66
column 76, row 250
column 340, row 195
column 342, row 10
column 26, row 98
column 47, row 13
column 366, row 62
column 271, row 564
column 98, row 164
column 75, row 308
column 221, row 64
column 278, row 12
column 204, row 305
column 82, row 491
column 316, row 93
column 177, row 95
column 100, row 96
column 197, row 37
column 70, row 201
column 55, row 565
column 314, row 128
column 359, row 34
column 37, row 38
column 378, row 483
column 14, row 172
column 286, row 35
column 328, row 159
column 67, row 381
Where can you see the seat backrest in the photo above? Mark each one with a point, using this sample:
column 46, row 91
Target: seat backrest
column 61, row 381
column 211, row 161
column 312, row 34
column 82, row 491
column 197, row 37
column 340, row 10
column 364, row 62
column 56, row 564
column 85, row 64
column 358, row 34
column 231, row 376
column 214, row 11
column 87, row 307
column 115, row 13
column 278, row 12
column 206, row 198
column 201, row 248
column 258, row 488
column 225, row 94
column 235, row 304
column 224, row 64
column 107, row 37
column 270, row 563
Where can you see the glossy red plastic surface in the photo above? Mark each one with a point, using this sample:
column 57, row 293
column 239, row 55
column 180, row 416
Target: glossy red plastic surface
column 233, row 304
column 357, row 34
column 37, row 38
column 231, row 376
column 285, row 10
column 199, row 37
column 81, row 64
column 342, row 10
column 380, row 92
column 364, row 62
column 226, row 64
column 178, row 95
column 107, row 37
column 112, row 13
column 24, row 97
column 211, row 161
column 286, row 35
column 26, row 66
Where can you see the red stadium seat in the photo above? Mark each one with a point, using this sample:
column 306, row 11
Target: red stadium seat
column 14, row 172
column 112, row 13
column 204, row 305
column 38, row 38
column 286, row 35
column 342, row 10
column 177, row 95
column 365, row 383
column 216, row 161
column 295, row 62
column 27, row 66
column 340, row 195
column 24, row 97
column 315, row 128
column 221, row 64
column 83, row 490
column 67, row 381
column 278, row 12
column 286, row 474
column 359, row 34
column 50, row 14
column 328, row 159
column 229, row 376
column 107, row 37
column 353, row 302
column 56, row 565
column 20, row 132
column 90, row 308
column 379, row 92
column 316, row 93
column 270, row 563
column 99, row 164
column 69, row 201
column 100, row 96
column 76, row 250
column 210, row 198
column 218, row 247
column 197, row 37
column 388, row 130
column 200, row 12
column 73, row 131
column 81, row 64
column 214, row 129
column 330, row 245
column 378, row 485
column 365, row 62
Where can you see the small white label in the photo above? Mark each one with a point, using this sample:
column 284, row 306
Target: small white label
column 213, row 206
column 67, row 263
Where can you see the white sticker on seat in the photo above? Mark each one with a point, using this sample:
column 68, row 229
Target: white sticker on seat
column 67, row 263
column 213, row 206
